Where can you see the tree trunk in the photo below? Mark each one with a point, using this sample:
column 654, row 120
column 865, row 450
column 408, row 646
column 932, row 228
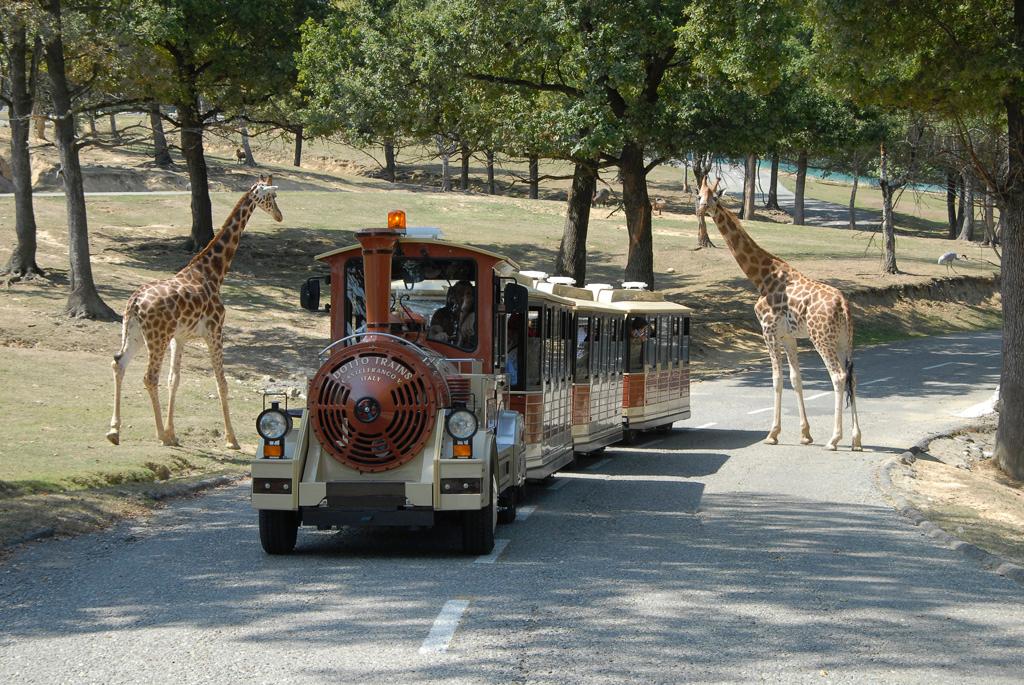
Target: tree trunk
column 572, row 253
column 445, row 150
column 637, row 206
column 990, row 217
column 853, row 200
column 749, row 186
column 951, row 183
column 686, row 177
column 92, row 125
column 798, row 192
column 490, row 172
column 198, row 177
column 161, row 155
column 83, row 301
column 22, row 264
column 249, row 159
column 390, row 170
column 38, row 120
column 967, row 225
column 464, row 178
column 1009, row 449
column 534, row 180
column 114, row 133
column 297, row 157
column 773, row 185
column 961, row 204
column 888, row 229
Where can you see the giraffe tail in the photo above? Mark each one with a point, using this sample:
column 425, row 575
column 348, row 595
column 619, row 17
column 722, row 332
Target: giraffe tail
column 849, row 381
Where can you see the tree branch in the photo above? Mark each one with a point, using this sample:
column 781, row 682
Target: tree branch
column 526, row 83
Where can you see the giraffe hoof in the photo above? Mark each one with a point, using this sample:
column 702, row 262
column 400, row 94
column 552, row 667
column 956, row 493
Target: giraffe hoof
column 806, row 440
column 857, row 448
column 832, row 447
column 171, row 441
column 771, row 440
column 233, row 445
column 114, row 437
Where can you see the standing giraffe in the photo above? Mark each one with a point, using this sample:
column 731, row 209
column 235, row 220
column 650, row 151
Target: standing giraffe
column 792, row 306
column 167, row 313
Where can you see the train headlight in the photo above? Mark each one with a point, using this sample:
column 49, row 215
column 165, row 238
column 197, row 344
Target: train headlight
column 273, row 424
column 461, row 424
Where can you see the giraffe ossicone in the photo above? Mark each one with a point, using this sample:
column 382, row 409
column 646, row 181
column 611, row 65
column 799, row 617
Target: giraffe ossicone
column 164, row 314
column 792, row 306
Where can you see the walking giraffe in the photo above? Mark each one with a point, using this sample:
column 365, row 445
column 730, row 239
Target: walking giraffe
column 169, row 312
column 792, row 306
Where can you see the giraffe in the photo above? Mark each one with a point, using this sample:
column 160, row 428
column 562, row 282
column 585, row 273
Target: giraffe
column 167, row 313
column 792, row 306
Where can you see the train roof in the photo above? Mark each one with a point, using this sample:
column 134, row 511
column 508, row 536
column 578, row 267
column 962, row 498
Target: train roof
column 407, row 240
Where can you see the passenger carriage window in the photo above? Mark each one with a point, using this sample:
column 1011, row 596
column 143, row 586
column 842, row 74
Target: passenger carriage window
column 636, row 341
column 533, row 347
column 686, row 340
column 617, row 345
column 598, row 346
column 582, row 348
column 674, row 347
column 663, row 342
column 515, row 361
column 651, row 346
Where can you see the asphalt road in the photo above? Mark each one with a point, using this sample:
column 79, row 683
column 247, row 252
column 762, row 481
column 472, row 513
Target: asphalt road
column 703, row 555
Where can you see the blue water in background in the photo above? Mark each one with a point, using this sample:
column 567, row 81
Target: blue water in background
column 847, row 178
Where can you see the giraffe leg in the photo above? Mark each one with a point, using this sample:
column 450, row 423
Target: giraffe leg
column 216, row 346
column 157, row 350
column 790, row 345
column 775, row 354
column 838, row 375
column 173, row 378
column 856, row 444
column 129, row 346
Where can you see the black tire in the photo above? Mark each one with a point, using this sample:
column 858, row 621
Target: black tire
column 665, row 428
column 629, row 436
column 508, row 506
column 478, row 526
column 278, row 531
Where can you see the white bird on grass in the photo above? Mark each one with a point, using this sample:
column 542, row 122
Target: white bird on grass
column 951, row 257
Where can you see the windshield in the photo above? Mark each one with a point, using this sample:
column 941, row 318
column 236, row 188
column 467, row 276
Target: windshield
column 437, row 297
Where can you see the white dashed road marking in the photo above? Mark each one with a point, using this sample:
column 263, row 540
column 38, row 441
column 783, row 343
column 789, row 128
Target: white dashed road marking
column 444, row 627
column 524, row 512
column 499, row 547
column 707, row 425
column 877, row 380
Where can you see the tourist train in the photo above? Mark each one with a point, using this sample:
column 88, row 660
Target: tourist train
column 453, row 378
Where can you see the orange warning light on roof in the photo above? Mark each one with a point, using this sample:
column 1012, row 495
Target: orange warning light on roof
column 396, row 219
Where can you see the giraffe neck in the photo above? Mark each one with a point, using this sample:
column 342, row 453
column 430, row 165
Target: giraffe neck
column 756, row 262
column 213, row 262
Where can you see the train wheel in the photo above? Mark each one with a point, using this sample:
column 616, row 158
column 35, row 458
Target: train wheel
column 278, row 531
column 478, row 526
column 508, row 506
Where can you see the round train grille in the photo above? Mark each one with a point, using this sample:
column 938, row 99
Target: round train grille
column 373, row 405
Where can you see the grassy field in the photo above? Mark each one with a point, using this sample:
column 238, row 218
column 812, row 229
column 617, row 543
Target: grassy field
column 56, row 468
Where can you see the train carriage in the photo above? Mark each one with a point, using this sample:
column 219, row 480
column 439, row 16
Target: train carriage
column 541, row 345
column 656, row 384
column 598, row 365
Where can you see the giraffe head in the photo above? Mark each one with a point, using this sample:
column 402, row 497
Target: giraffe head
column 265, row 196
column 707, row 196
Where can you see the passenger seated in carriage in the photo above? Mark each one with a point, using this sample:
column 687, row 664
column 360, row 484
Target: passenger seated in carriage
column 455, row 322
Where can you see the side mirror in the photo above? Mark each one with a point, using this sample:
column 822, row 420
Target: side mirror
column 516, row 298
column 309, row 294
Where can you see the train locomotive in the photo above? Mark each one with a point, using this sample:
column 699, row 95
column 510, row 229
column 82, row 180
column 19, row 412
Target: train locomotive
column 452, row 378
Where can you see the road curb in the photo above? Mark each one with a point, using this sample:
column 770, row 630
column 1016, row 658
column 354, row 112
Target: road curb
column 904, row 508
